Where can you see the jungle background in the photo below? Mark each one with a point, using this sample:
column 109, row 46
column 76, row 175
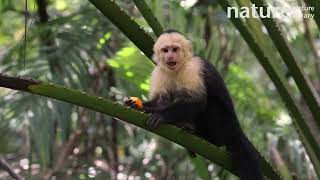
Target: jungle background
column 69, row 42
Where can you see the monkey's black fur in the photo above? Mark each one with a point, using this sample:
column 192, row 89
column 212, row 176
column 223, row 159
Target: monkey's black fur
column 212, row 117
column 170, row 31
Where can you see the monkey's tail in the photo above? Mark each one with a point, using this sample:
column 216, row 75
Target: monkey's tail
column 245, row 158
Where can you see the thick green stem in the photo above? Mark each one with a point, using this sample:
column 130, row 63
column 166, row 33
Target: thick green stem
column 281, row 84
column 307, row 90
column 100, row 104
column 126, row 24
column 316, row 11
column 148, row 16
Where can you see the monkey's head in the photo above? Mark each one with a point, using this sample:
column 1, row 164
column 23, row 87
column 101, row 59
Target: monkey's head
column 172, row 50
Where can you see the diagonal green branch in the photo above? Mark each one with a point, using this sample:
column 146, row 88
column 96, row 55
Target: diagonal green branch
column 254, row 26
column 282, row 86
column 126, row 24
column 316, row 12
column 308, row 92
column 148, row 16
column 126, row 114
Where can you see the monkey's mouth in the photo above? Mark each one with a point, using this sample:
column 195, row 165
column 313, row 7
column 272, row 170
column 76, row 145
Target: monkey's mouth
column 171, row 64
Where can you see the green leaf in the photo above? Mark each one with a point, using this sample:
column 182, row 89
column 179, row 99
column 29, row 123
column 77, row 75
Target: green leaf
column 201, row 167
column 133, row 67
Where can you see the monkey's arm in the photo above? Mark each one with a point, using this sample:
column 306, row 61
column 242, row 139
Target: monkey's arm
column 179, row 111
column 152, row 106
column 184, row 109
column 147, row 107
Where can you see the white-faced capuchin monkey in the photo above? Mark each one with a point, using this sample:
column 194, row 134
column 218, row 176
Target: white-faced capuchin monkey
column 188, row 90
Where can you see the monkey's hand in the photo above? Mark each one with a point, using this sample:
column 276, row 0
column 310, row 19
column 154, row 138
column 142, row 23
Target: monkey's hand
column 134, row 102
column 154, row 120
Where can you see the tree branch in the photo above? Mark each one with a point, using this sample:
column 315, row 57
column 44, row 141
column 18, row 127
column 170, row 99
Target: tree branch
column 99, row 104
column 5, row 166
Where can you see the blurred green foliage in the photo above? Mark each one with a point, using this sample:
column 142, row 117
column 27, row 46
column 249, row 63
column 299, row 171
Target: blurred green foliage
column 88, row 52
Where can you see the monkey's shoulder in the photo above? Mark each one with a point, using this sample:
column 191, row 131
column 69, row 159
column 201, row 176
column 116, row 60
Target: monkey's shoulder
column 218, row 92
column 212, row 77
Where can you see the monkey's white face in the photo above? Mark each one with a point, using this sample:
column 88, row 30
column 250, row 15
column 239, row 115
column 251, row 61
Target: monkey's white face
column 171, row 55
column 172, row 50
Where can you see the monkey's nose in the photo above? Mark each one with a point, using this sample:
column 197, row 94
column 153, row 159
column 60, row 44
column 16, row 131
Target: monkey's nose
column 170, row 58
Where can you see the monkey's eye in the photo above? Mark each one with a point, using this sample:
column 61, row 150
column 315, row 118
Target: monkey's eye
column 164, row 50
column 175, row 49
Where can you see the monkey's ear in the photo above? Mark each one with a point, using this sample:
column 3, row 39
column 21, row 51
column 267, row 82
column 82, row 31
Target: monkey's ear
column 155, row 53
column 189, row 47
column 155, row 58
